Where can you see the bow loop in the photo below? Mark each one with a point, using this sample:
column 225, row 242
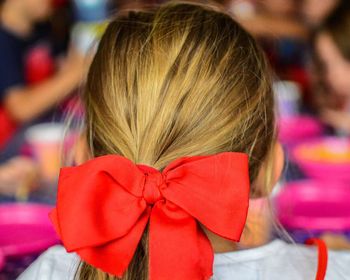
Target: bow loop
column 213, row 189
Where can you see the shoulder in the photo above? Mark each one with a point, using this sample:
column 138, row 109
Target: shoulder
column 338, row 265
column 279, row 260
column 54, row 264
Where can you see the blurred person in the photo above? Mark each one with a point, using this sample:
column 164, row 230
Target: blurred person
column 27, row 89
column 180, row 133
column 332, row 46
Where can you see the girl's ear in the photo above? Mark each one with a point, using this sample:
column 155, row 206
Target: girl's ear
column 81, row 152
column 277, row 163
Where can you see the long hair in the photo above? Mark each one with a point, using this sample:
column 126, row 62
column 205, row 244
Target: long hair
column 180, row 80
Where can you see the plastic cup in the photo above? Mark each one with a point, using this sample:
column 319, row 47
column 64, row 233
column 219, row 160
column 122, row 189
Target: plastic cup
column 25, row 229
column 294, row 130
column 46, row 142
column 325, row 158
column 25, row 232
column 288, row 96
column 313, row 207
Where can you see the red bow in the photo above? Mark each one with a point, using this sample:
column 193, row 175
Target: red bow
column 104, row 205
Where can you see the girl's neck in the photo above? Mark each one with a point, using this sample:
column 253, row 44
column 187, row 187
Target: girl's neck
column 14, row 20
column 220, row 244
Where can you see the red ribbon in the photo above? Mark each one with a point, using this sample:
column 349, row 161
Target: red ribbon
column 104, row 205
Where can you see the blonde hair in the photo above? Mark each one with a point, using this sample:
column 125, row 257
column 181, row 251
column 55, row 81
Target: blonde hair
column 180, row 80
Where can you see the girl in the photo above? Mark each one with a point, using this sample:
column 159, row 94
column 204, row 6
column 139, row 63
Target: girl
column 177, row 99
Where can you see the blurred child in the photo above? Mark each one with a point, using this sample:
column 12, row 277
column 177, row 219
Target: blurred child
column 177, row 99
column 332, row 45
column 28, row 86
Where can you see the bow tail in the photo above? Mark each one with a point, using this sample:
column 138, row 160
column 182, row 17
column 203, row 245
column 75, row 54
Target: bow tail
column 178, row 248
column 115, row 256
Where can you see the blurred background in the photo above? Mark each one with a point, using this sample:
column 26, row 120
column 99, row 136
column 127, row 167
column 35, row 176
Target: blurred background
column 45, row 50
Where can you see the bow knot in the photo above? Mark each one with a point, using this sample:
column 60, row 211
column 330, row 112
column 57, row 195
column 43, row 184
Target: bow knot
column 152, row 187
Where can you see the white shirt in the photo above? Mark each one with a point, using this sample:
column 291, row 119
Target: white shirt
column 274, row 261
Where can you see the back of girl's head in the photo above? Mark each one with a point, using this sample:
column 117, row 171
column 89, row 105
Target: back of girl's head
column 181, row 80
